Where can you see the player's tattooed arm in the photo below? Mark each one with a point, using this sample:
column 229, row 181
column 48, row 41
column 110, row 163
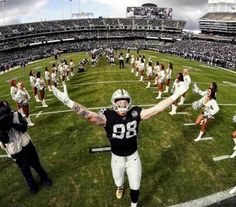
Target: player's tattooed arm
column 96, row 118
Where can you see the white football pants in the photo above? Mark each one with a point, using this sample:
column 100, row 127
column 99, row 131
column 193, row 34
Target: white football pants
column 131, row 165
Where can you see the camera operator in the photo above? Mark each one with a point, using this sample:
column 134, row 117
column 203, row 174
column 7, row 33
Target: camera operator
column 15, row 140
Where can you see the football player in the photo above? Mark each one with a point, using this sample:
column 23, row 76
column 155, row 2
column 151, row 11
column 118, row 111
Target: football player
column 121, row 124
column 209, row 108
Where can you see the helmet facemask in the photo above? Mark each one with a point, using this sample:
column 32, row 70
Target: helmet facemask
column 118, row 95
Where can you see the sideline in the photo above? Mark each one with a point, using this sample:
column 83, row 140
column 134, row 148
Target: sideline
column 207, row 200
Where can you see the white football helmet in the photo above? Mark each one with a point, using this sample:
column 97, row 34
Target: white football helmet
column 120, row 94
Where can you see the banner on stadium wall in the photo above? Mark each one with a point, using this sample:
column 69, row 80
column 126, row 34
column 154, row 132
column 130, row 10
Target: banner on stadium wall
column 149, row 12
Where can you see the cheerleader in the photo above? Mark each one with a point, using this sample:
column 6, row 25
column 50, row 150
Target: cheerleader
column 160, row 80
column 209, row 108
column 40, row 84
column 47, row 76
column 137, row 63
column 168, row 76
column 13, row 92
column 149, row 74
column 132, row 62
column 72, row 65
column 156, row 71
column 23, row 99
column 141, row 69
column 197, row 90
column 178, row 82
column 54, row 77
column 32, row 83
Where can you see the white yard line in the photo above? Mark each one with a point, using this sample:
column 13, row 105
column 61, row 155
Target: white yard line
column 2, row 156
column 229, row 83
column 38, row 114
column 206, row 138
column 182, row 113
column 223, row 157
column 104, row 82
column 189, row 124
column 6, row 95
column 100, row 107
column 207, row 200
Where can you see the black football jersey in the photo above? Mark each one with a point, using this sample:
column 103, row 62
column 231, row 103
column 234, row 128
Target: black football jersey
column 121, row 131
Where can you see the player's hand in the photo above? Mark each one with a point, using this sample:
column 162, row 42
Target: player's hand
column 63, row 96
column 180, row 90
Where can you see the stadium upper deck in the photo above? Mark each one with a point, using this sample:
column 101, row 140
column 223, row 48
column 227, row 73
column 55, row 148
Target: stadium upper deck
column 36, row 28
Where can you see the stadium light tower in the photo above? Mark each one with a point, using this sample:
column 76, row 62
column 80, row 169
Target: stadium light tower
column 3, row 9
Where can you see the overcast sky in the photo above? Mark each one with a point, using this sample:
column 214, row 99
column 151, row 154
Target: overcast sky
column 19, row 11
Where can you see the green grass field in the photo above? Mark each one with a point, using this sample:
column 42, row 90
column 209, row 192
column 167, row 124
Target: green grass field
column 175, row 168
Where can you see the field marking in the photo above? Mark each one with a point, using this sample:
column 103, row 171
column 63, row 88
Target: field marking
column 182, row 113
column 229, row 83
column 101, row 107
column 104, row 82
column 207, row 200
column 99, row 149
column 39, row 114
column 223, row 157
column 207, row 74
column 37, row 68
column 5, row 95
column 206, row 138
column 38, row 107
column 3, row 156
column 189, row 124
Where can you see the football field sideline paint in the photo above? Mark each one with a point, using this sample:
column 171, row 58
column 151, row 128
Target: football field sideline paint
column 223, row 157
column 207, row 200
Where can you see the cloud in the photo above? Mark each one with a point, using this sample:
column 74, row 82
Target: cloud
column 18, row 8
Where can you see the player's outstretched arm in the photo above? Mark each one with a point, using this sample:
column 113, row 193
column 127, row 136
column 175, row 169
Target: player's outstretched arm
column 96, row 118
column 162, row 105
